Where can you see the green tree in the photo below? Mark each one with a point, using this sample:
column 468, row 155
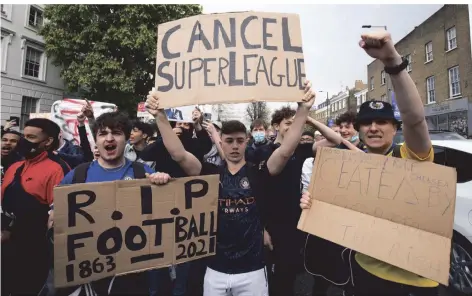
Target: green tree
column 108, row 52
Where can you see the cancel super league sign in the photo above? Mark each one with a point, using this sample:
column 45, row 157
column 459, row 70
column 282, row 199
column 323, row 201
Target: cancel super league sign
column 230, row 58
column 111, row 228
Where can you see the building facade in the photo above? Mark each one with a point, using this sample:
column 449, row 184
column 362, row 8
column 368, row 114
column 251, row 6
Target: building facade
column 440, row 58
column 361, row 97
column 345, row 100
column 30, row 83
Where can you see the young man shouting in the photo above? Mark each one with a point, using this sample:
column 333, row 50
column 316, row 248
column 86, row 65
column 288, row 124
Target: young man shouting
column 111, row 131
column 377, row 127
column 238, row 267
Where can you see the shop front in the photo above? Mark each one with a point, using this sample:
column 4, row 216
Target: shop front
column 451, row 115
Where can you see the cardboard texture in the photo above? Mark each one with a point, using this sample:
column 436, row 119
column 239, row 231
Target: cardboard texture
column 109, row 228
column 230, row 58
column 395, row 210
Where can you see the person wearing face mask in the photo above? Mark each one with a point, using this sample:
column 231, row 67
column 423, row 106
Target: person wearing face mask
column 346, row 122
column 259, row 136
column 27, row 193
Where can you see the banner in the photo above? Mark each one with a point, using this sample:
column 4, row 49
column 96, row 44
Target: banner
column 395, row 210
column 181, row 114
column 396, row 111
column 110, row 228
column 64, row 113
column 230, row 58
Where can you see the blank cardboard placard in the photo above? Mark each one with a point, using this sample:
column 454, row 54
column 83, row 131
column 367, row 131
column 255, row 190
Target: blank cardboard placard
column 111, row 228
column 395, row 210
column 230, row 58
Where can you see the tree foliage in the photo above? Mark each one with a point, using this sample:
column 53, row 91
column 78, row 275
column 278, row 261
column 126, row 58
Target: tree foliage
column 108, row 52
column 257, row 110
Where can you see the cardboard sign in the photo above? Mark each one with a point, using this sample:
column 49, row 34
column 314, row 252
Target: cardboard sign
column 230, row 58
column 395, row 210
column 109, row 228
column 64, row 113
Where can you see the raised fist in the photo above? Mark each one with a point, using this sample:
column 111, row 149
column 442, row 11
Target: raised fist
column 152, row 103
column 309, row 97
column 379, row 45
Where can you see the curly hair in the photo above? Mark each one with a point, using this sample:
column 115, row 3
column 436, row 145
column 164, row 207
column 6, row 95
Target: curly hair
column 113, row 120
column 281, row 114
column 349, row 117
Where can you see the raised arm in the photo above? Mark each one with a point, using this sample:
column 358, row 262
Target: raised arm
column 332, row 139
column 379, row 45
column 174, row 146
column 281, row 155
column 215, row 135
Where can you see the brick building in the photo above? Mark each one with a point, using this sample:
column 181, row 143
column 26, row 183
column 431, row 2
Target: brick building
column 341, row 102
column 440, row 58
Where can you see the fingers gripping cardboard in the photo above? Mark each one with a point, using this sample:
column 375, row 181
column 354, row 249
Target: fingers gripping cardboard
column 396, row 210
column 109, row 228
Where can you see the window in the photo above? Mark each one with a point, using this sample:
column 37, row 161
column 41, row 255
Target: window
column 33, row 62
column 454, row 82
column 408, row 68
column 372, row 83
column 6, row 11
column 429, row 51
column 431, row 94
column 35, row 17
column 383, row 98
column 439, row 155
column 460, row 161
column 382, row 78
column 451, row 38
column 6, row 40
column 28, row 105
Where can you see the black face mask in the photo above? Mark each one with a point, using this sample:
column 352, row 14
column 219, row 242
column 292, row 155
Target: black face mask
column 28, row 149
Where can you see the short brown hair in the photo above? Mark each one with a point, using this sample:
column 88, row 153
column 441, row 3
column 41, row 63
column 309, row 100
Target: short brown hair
column 258, row 122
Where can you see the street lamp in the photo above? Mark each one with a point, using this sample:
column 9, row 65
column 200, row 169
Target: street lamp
column 327, row 106
column 389, row 99
column 370, row 26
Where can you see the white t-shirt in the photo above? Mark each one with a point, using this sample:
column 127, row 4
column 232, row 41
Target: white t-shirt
column 306, row 173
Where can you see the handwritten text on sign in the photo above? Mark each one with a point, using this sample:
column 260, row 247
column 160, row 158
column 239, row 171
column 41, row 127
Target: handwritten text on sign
column 390, row 200
column 230, row 58
column 103, row 229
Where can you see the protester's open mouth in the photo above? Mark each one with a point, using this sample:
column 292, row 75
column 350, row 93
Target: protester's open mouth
column 374, row 137
column 6, row 150
column 111, row 148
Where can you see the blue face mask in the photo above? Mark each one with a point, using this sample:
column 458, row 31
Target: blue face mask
column 259, row 137
column 354, row 138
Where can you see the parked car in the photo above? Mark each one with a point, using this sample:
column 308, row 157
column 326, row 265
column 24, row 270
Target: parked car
column 434, row 135
column 458, row 154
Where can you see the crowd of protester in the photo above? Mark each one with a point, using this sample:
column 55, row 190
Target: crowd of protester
column 259, row 250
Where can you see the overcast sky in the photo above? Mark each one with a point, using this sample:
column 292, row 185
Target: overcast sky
column 333, row 59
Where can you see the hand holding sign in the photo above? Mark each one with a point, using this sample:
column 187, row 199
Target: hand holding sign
column 305, row 201
column 309, row 97
column 152, row 103
column 87, row 109
column 159, row 178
